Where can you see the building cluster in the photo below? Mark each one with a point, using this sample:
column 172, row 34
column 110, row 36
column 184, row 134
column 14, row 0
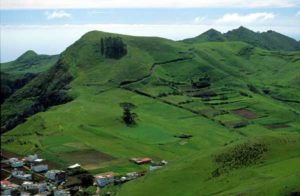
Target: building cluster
column 33, row 176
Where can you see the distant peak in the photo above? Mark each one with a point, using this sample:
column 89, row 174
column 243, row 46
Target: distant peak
column 242, row 28
column 209, row 35
column 213, row 30
column 27, row 55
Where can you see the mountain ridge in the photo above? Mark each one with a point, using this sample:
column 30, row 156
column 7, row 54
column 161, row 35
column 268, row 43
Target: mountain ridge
column 270, row 40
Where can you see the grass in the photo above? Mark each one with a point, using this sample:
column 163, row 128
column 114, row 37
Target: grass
column 167, row 105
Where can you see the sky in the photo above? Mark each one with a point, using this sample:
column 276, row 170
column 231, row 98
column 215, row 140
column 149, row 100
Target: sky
column 49, row 26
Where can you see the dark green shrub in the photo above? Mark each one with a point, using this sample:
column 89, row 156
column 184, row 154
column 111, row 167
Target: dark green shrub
column 239, row 156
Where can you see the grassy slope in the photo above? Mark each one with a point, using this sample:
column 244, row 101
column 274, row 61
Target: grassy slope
column 92, row 119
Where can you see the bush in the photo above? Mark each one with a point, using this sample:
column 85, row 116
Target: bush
column 202, row 82
column 86, row 180
column 266, row 91
column 252, row 88
column 162, row 94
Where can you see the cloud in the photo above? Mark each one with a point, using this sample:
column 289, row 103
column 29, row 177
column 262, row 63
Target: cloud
column 63, row 4
column 298, row 13
column 57, row 15
column 199, row 19
column 245, row 19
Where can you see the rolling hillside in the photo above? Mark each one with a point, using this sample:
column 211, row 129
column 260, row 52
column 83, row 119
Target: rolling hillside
column 239, row 103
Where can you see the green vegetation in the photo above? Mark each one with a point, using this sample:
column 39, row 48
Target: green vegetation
column 224, row 114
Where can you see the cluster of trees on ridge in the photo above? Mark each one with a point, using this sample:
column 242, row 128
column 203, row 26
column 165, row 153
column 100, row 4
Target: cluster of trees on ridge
column 113, row 47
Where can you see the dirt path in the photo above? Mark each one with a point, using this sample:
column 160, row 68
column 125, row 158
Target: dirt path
column 152, row 69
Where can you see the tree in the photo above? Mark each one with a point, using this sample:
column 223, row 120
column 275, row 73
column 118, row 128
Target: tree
column 202, row 82
column 86, row 180
column 113, row 47
column 128, row 116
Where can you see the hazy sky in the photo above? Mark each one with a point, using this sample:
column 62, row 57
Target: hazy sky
column 49, row 26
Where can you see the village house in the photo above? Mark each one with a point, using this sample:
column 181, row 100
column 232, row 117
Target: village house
column 141, row 161
column 21, row 175
column 39, row 168
column 104, row 179
column 57, row 176
column 15, row 162
column 8, row 188
column 34, row 188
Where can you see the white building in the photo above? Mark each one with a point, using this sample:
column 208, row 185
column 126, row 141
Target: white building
column 31, row 158
column 61, row 193
column 30, row 186
column 15, row 162
column 21, row 175
column 39, row 168
column 55, row 175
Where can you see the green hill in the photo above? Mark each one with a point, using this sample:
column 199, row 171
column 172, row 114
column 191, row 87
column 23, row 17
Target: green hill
column 16, row 74
column 240, row 105
column 269, row 40
column 29, row 62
